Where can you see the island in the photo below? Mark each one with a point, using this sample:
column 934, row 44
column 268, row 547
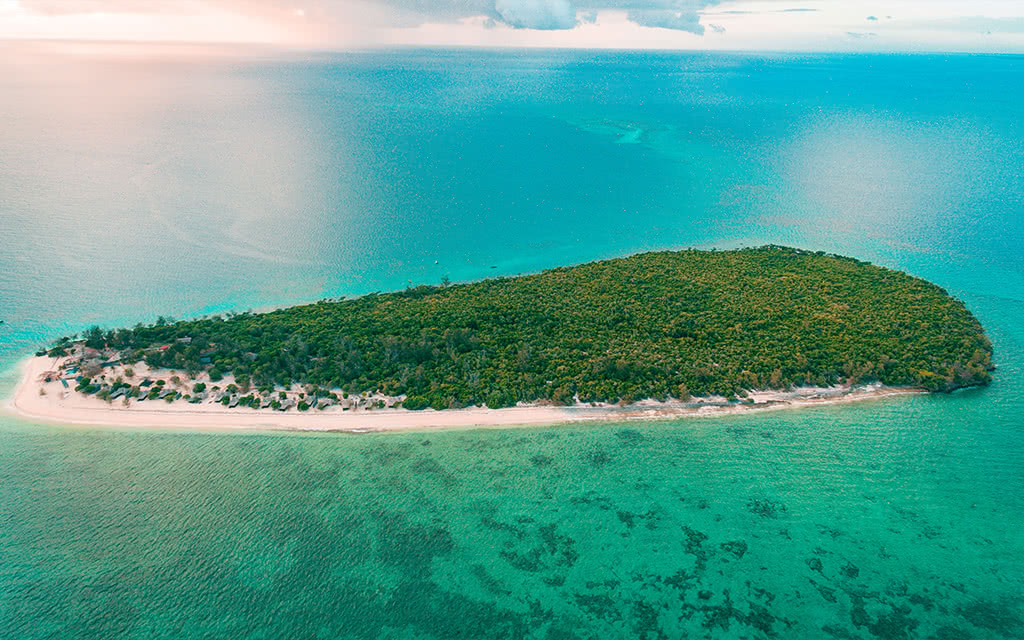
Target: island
column 655, row 334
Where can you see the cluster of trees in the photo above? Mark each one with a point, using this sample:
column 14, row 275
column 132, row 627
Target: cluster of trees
column 665, row 324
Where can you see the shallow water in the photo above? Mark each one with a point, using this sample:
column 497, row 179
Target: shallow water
column 191, row 186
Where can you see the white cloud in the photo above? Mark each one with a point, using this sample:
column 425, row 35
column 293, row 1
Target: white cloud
column 667, row 19
column 949, row 25
column 536, row 14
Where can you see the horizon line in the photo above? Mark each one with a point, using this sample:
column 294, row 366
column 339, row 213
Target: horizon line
column 367, row 48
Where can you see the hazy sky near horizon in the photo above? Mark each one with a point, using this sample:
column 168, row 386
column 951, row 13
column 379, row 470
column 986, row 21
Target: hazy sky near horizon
column 835, row 25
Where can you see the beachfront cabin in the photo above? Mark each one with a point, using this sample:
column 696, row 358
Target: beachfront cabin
column 166, row 392
column 120, row 392
column 234, row 402
column 312, row 402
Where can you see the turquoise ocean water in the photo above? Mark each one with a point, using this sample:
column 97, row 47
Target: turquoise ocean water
column 190, row 184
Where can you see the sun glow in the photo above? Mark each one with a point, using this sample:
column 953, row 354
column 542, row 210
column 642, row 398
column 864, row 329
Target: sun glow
column 193, row 23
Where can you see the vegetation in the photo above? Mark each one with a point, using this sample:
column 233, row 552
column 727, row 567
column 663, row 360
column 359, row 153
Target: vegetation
column 666, row 324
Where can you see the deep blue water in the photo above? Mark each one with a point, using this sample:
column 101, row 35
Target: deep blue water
column 132, row 188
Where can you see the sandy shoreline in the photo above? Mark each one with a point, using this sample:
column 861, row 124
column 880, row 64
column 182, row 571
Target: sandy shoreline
column 64, row 405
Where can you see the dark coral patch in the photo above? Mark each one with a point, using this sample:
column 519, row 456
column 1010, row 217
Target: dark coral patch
column 765, row 507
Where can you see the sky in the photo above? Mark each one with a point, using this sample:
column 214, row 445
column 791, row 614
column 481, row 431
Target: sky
column 811, row 25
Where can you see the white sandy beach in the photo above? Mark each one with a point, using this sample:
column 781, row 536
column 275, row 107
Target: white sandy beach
column 64, row 405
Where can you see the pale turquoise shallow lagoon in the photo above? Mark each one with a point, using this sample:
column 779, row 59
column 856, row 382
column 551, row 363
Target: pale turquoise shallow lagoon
column 194, row 185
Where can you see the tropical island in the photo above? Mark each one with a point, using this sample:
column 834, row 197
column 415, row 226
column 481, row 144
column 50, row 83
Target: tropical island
column 661, row 333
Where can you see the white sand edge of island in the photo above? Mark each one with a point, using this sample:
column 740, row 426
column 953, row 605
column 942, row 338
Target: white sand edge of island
column 59, row 405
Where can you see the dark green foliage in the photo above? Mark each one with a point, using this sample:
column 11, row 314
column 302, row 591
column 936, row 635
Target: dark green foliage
column 666, row 324
column 94, row 338
column 416, row 403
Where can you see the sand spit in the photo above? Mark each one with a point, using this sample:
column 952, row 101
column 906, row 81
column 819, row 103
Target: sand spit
column 52, row 401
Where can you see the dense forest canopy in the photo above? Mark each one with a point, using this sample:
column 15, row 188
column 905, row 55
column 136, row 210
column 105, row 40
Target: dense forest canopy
column 660, row 325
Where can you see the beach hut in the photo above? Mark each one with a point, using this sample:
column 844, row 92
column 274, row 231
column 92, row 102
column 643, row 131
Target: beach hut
column 234, row 402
